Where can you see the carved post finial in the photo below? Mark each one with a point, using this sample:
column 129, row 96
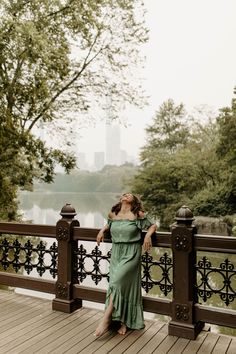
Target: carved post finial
column 68, row 211
column 184, row 215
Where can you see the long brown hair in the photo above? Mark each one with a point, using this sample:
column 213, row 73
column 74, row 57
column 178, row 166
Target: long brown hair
column 136, row 205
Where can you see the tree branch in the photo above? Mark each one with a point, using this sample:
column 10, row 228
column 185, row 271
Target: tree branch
column 10, row 93
column 86, row 62
column 62, row 9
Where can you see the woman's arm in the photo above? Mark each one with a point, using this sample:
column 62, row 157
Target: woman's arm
column 100, row 235
column 147, row 243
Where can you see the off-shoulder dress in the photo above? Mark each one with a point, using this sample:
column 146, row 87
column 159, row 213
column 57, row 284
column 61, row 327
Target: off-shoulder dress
column 125, row 271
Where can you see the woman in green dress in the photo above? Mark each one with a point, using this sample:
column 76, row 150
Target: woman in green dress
column 126, row 221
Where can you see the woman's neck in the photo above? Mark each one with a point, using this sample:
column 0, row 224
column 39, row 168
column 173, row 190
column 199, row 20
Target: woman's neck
column 125, row 208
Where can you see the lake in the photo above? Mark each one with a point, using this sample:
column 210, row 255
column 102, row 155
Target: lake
column 44, row 208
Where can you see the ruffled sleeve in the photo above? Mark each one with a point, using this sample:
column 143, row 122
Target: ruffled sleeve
column 144, row 223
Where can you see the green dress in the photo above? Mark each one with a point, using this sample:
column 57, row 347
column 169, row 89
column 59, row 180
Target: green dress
column 125, row 271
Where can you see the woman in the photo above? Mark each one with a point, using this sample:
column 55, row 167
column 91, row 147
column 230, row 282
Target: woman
column 126, row 221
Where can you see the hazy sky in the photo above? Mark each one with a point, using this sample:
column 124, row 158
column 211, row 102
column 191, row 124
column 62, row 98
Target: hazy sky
column 191, row 57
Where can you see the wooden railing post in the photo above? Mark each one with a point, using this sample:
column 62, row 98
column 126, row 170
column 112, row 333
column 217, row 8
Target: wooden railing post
column 64, row 286
column 183, row 322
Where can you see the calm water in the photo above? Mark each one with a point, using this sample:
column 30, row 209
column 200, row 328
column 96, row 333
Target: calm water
column 92, row 210
column 44, row 208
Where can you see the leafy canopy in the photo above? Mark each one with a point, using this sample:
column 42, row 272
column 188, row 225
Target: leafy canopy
column 61, row 58
column 179, row 165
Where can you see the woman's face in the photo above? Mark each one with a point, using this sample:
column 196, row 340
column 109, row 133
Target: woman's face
column 127, row 197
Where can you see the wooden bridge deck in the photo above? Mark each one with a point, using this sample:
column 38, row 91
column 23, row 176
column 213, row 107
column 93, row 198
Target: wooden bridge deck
column 28, row 325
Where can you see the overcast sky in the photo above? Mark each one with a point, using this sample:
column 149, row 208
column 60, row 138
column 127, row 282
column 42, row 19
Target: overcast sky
column 191, row 58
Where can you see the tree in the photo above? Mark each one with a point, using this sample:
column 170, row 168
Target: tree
column 58, row 58
column 178, row 161
column 156, row 180
column 168, row 130
column 227, row 139
column 226, row 152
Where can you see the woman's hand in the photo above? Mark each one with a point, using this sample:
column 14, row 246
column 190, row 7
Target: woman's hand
column 147, row 243
column 100, row 237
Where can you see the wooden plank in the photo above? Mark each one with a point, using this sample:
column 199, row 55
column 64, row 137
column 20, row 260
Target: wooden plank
column 194, row 345
column 232, row 347
column 112, row 343
column 29, row 317
column 47, row 323
column 81, row 341
column 209, row 343
column 165, row 345
column 73, row 342
column 97, row 343
column 179, row 346
column 124, row 345
column 222, row 345
column 145, row 338
column 37, row 336
column 44, row 342
column 155, row 341
column 58, row 343
column 11, row 308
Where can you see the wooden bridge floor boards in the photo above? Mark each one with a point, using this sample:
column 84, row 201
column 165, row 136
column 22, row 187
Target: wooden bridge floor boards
column 29, row 325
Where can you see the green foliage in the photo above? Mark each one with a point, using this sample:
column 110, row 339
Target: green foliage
column 58, row 58
column 180, row 166
column 227, row 140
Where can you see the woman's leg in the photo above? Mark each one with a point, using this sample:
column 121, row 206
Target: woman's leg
column 104, row 324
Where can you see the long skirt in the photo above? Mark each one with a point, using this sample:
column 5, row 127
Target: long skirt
column 125, row 284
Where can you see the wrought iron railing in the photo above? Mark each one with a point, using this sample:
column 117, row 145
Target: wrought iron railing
column 219, row 280
column 28, row 255
column 95, row 271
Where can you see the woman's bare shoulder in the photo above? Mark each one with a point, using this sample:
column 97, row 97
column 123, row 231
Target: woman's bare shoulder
column 111, row 215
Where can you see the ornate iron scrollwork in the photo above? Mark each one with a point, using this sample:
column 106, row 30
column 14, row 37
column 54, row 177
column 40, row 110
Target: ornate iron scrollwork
column 29, row 256
column 95, row 256
column 205, row 286
column 165, row 265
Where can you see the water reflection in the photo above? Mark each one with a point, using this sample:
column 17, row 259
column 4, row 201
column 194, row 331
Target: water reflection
column 44, row 208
